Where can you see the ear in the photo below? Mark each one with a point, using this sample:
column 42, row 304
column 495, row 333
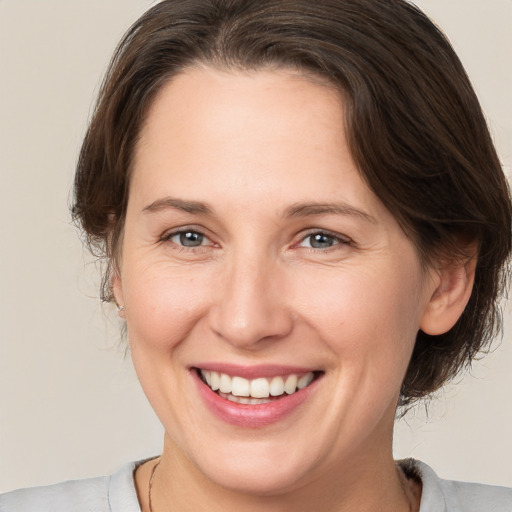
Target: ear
column 117, row 289
column 453, row 283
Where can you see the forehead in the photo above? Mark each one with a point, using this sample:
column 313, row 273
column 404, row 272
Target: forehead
column 261, row 134
column 243, row 103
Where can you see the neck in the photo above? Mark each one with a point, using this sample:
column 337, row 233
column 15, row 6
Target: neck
column 365, row 485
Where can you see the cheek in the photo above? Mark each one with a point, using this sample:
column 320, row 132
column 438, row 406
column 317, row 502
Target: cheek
column 367, row 313
column 163, row 304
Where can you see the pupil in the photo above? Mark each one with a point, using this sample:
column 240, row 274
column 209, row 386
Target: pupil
column 191, row 239
column 320, row 241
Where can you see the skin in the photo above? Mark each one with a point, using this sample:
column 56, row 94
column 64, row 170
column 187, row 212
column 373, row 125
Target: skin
column 252, row 146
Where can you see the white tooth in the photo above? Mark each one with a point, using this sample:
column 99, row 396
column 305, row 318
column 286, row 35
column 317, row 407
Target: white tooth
column 240, row 386
column 225, row 383
column 290, row 385
column 206, row 377
column 305, row 380
column 214, row 380
column 276, row 386
column 245, row 400
column 259, row 388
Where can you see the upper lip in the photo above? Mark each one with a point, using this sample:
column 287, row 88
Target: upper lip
column 253, row 371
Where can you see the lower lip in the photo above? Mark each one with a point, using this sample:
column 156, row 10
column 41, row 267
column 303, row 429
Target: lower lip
column 252, row 416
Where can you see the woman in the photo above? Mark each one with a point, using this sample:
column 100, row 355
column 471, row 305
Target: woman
column 306, row 226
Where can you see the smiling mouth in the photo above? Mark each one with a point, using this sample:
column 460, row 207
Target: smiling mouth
column 257, row 391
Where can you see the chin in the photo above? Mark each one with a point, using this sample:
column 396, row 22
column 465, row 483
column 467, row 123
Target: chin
column 256, row 477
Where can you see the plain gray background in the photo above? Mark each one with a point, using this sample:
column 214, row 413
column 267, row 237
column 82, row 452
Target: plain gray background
column 70, row 404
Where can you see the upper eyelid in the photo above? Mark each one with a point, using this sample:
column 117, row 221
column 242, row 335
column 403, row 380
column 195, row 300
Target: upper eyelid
column 167, row 235
column 314, row 231
column 184, row 229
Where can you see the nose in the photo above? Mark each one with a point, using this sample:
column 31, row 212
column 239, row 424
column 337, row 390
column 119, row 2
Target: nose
column 250, row 308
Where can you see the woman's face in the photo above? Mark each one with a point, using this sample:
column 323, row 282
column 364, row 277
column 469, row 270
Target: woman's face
column 255, row 255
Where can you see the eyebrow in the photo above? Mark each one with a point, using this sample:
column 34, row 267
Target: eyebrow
column 193, row 207
column 311, row 209
column 295, row 210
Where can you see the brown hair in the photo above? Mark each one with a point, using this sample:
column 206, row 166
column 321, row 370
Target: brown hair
column 414, row 124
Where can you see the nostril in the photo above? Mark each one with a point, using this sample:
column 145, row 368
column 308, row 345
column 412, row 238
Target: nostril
column 245, row 315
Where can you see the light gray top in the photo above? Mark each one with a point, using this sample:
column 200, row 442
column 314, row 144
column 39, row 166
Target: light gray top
column 117, row 493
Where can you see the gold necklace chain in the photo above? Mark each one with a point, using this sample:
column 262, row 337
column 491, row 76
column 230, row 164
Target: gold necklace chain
column 151, row 485
column 402, row 477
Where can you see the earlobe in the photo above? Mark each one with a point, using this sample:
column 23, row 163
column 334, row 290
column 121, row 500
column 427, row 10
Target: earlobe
column 117, row 289
column 453, row 287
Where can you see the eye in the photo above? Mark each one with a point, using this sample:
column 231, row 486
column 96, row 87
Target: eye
column 188, row 238
column 322, row 240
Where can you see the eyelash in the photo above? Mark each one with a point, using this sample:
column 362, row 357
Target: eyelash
column 184, row 231
column 338, row 240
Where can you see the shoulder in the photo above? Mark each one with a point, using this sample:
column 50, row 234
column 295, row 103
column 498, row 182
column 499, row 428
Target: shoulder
column 469, row 497
column 440, row 495
column 102, row 494
column 73, row 496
